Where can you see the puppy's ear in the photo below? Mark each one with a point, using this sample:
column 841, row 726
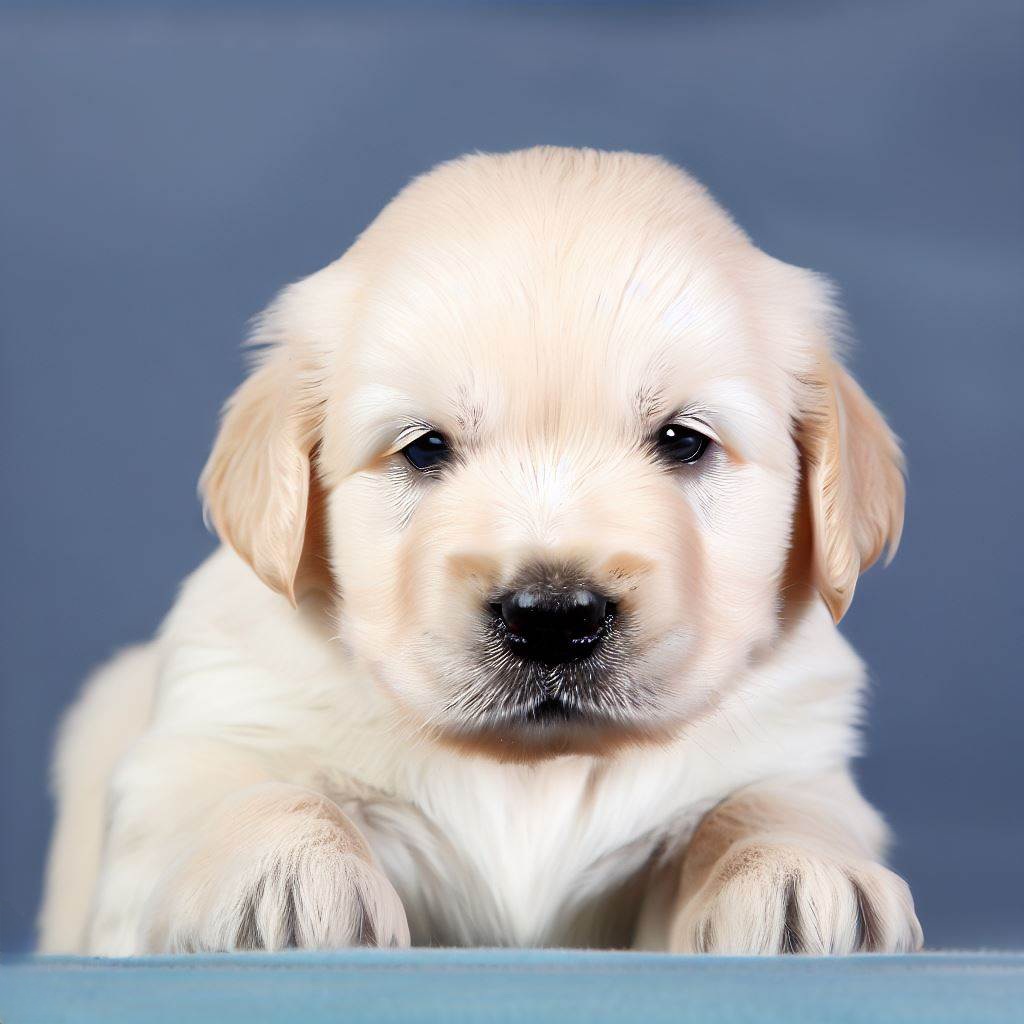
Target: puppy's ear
column 853, row 470
column 257, row 482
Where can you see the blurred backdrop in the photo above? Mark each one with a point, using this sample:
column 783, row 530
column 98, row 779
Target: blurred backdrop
column 165, row 168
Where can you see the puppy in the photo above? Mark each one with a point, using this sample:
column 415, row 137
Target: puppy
column 539, row 509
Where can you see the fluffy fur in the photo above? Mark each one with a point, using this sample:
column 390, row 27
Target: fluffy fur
column 323, row 747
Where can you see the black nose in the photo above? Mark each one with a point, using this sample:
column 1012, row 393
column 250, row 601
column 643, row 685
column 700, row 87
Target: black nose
column 553, row 624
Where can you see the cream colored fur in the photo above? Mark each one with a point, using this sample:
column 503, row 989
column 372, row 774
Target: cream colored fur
column 289, row 763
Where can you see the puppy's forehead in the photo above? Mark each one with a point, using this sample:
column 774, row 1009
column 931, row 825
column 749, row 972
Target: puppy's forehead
column 504, row 288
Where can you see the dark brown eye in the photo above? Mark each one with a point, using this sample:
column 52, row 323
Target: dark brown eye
column 681, row 444
column 428, row 451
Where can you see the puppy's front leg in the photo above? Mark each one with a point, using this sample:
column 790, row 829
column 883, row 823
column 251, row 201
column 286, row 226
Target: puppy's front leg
column 791, row 868
column 208, row 864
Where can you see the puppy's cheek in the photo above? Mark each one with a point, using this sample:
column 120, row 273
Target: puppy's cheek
column 745, row 543
column 666, row 608
column 411, row 607
column 368, row 544
column 450, row 564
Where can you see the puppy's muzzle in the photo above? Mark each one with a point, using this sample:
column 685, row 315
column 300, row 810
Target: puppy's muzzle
column 553, row 623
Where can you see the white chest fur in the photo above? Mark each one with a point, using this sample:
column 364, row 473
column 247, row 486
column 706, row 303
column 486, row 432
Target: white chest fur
column 485, row 854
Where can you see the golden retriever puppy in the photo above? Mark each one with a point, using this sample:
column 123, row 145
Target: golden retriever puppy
column 539, row 508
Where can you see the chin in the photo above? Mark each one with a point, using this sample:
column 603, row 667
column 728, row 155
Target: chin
column 553, row 733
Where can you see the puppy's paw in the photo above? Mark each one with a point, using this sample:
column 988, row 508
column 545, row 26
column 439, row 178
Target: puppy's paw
column 764, row 899
column 298, row 877
column 312, row 901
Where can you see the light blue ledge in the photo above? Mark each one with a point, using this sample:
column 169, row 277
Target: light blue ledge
column 537, row 987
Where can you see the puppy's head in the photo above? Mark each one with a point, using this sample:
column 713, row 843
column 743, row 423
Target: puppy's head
column 547, row 431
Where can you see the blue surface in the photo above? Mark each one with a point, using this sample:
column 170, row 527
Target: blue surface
column 522, row 986
column 165, row 167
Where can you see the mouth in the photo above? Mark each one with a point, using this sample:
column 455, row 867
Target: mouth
column 554, row 711
column 548, row 727
column 519, row 700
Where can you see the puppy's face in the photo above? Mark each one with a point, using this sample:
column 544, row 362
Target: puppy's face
column 555, row 408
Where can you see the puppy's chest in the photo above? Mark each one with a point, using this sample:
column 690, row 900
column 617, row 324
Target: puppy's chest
column 524, row 858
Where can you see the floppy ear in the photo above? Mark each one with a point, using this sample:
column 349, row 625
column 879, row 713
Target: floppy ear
column 853, row 469
column 257, row 482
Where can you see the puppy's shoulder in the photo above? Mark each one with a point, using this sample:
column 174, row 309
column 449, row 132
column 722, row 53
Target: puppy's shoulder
column 229, row 635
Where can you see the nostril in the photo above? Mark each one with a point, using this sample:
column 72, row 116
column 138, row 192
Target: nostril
column 553, row 625
column 584, row 612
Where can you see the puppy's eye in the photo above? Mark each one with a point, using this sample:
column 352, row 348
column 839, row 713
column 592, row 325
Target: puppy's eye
column 681, row 444
column 428, row 451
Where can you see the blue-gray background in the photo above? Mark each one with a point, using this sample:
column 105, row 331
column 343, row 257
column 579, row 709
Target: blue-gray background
column 163, row 170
